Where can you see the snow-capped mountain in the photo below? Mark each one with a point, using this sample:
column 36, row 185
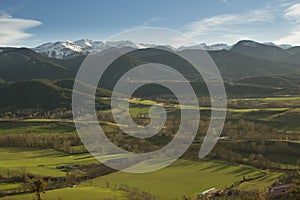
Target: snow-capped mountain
column 217, row 47
column 198, row 46
column 84, row 43
column 248, row 43
column 283, row 46
column 60, row 50
column 68, row 49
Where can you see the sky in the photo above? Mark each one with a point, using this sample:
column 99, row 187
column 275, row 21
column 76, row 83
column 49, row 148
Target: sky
column 30, row 23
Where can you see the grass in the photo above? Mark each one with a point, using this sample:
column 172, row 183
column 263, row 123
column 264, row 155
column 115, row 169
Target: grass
column 260, row 183
column 181, row 178
column 275, row 98
column 142, row 101
column 244, row 110
column 6, row 186
column 284, row 118
column 77, row 193
column 281, row 98
column 36, row 126
column 38, row 161
column 140, row 106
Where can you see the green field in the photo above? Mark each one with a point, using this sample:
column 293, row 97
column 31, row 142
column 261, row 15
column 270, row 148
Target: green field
column 77, row 193
column 260, row 183
column 5, row 186
column 283, row 113
column 38, row 161
column 181, row 178
column 36, row 126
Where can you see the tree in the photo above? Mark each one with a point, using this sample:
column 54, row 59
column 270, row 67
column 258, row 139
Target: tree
column 294, row 193
column 71, row 179
column 39, row 187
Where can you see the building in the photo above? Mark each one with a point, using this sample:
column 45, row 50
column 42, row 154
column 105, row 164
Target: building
column 281, row 190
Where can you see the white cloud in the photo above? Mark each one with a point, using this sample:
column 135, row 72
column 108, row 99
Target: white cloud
column 229, row 27
column 151, row 21
column 292, row 38
column 227, row 22
column 293, row 12
column 13, row 30
column 179, row 41
column 292, row 16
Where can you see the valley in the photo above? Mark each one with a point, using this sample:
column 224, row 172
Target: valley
column 258, row 149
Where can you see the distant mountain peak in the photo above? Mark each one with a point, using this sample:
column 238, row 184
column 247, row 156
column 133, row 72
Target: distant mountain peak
column 84, row 43
column 59, row 50
column 283, row 46
column 69, row 49
column 248, row 43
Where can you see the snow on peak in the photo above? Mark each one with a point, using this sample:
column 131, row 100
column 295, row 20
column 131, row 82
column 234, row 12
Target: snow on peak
column 72, row 46
column 218, row 47
column 84, row 43
column 283, row 46
column 248, row 43
column 59, row 50
column 69, row 49
column 203, row 46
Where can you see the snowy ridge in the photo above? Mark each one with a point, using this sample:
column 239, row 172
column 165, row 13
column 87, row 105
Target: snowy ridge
column 249, row 43
column 283, row 46
column 59, row 50
column 68, row 49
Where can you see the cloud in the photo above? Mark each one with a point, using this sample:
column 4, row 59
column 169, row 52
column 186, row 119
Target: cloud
column 293, row 12
column 230, row 26
column 151, row 21
column 292, row 38
column 226, row 22
column 292, row 16
column 13, row 30
column 179, row 41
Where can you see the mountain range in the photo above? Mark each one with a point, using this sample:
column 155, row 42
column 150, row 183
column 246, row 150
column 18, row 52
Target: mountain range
column 248, row 68
column 68, row 49
column 61, row 60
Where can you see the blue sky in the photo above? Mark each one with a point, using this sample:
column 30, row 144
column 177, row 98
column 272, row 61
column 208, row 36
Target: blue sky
column 33, row 22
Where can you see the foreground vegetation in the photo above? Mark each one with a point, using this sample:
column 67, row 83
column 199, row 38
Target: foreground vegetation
column 260, row 145
column 78, row 193
column 182, row 178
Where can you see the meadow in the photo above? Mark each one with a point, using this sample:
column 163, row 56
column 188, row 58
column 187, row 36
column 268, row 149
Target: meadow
column 184, row 177
column 38, row 161
column 77, row 193
column 181, row 178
